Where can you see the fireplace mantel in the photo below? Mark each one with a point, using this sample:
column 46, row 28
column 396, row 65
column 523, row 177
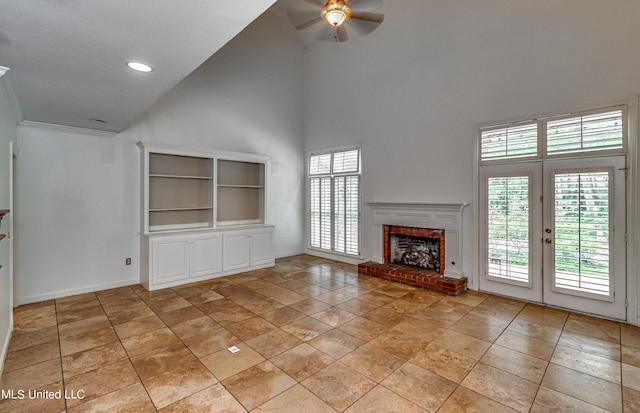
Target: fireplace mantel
column 434, row 216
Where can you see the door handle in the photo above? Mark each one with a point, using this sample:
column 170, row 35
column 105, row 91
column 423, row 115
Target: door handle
column 547, row 240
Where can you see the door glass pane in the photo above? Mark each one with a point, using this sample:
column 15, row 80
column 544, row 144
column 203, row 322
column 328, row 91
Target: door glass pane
column 582, row 229
column 508, row 228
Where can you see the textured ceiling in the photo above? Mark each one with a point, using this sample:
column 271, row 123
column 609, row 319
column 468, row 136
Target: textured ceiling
column 67, row 57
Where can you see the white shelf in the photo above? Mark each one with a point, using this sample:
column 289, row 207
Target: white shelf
column 180, row 209
column 241, row 186
column 180, row 176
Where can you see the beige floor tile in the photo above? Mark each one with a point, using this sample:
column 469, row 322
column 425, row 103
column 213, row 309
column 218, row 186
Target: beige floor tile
column 338, row 385
column 463, row 344
column 336, row 343
column 33, row 377
column 283, row 316
column 631, row 376
column 84, row 326
column 72, row 315
column 449, row 305
column 477, row 329
column 514, row 362
column 372, row 362
column 334, row 316
column 424, row 388
column 420, row 329
column 532, row 346
column 544, row 315
column 132, row 398
column 376, row 298
column 588, row 363
column 363, row 328
column 631, row 356
column 224, row 364
column 594, row 327
column 309, row 306
column 505, row 388
column 170, row 386
column 307, row 328
column 535, row 330
column 437, row 318
column 16, row 403
column 295, row 399
column 195, row 327
column 464, row 400
column 398, row 343
column 211, row 342
column 631, row 400
column 86, row 341
column 312, row 290
column 590, row 389
column 380, row 399
column 258, row 384
column 181, row 315
column 302, row 361
column 31, row 355
column 21, row 339
column 470, row 297
column 139, row 326
column 289, row 297
column 630, row 336
column 385, row 316
column 150, row 341
column 35, row 316
column 273, row 343
column 358, row 307
column 446, row 363
column 548, row 400
column 161, row 360
column 102, row 381
column 492, row 317
column 590, row 345
column 85, row 361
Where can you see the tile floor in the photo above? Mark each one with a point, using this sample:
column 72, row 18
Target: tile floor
column 314, row 336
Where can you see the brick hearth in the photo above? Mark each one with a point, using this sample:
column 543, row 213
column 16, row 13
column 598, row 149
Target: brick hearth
column 415, row 276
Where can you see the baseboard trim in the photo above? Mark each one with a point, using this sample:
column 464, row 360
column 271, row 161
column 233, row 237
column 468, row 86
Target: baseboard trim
column 287, row 254
column 75, row 291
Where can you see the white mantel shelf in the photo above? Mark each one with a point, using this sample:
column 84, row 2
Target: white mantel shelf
column 422, row 215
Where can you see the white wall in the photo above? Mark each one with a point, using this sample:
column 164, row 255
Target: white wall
column 79, row 209
column 415, row 90
column 9, row 118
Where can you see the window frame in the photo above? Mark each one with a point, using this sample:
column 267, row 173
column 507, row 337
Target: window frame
column 542, row 122
column 332, row 177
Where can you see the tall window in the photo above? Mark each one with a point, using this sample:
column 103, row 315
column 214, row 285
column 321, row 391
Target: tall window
column 334, row 188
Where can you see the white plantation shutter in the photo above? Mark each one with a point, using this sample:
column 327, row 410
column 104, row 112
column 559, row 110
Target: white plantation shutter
column 602, row 131
column 585, row 133
column 334, row 181
column 518, row 141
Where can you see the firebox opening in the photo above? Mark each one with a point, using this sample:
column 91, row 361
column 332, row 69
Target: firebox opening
column 421, row 252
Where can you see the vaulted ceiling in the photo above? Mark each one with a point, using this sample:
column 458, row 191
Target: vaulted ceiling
column 67, row 57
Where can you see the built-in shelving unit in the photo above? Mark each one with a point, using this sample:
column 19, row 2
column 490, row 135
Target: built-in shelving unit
column 203, row 214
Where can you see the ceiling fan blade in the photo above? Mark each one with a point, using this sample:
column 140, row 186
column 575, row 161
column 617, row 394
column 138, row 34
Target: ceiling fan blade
column 308, row 24
column 367, row 16
column 363, row 27
column 365, row 4
column 341, row 33
column 317, row 3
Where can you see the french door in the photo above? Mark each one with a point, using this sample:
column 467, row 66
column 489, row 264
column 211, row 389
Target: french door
column 553, row 232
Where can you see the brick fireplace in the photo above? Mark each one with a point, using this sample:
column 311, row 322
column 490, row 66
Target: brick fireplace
column 418, row 244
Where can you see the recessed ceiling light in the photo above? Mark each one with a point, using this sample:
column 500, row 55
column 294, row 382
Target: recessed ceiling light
column 139, row 67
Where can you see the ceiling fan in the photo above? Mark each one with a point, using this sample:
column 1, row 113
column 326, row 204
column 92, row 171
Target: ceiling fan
column 335, row 14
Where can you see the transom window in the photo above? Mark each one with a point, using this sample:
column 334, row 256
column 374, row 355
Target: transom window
column 577, row 134
column 334, row 197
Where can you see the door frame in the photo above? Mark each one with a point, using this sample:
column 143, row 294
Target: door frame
column 632, row 190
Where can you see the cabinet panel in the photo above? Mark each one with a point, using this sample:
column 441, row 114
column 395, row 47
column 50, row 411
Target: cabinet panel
column 170, row 260
column 236, row 251
column 206, row 255
column 262, row 248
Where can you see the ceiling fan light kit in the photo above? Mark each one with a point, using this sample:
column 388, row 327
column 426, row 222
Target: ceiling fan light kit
column 337, row 14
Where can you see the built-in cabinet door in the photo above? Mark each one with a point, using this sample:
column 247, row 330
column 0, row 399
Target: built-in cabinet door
column 206, row 255
column 170, row 260
column 262, row 248
column 237, row 251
